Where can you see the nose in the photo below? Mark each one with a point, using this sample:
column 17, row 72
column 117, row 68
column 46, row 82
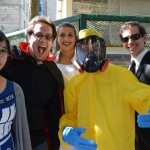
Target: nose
column 130, row 41
column 66, row 38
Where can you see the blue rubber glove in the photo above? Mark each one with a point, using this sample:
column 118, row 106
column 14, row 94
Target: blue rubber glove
column 143, row 120
column 72, row 137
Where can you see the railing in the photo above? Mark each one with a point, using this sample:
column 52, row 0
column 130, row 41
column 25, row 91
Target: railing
column 108, row 25
column 17, row 36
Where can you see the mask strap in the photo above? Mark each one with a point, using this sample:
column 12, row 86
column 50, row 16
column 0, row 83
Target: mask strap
column 104, row 65
column 77, row 66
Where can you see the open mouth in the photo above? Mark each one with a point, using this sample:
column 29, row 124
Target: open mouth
column 41, row 49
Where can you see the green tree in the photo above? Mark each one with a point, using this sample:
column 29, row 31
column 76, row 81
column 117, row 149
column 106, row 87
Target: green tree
column 33, row 9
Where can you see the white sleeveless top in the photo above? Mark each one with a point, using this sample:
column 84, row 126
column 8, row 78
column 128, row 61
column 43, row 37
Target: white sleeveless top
column 68, row 71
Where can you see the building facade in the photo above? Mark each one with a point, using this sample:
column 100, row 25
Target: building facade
column 112, row 7
column 13, row 15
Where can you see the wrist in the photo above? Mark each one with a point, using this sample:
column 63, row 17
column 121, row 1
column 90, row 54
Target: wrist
column 65, row 132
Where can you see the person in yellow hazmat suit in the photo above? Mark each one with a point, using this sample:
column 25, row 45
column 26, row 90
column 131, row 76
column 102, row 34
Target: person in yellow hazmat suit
column 100, row 102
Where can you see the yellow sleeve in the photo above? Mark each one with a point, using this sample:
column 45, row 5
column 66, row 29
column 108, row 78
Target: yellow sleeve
column 70, row 116
column 135, row 93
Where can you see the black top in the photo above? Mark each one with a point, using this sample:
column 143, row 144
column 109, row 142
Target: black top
column 143, row 75
column 42, row 86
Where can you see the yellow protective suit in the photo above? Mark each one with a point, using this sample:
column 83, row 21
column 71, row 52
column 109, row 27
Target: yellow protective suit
column 104, row 103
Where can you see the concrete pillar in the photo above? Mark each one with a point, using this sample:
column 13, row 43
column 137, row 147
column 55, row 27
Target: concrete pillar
column 64, row 8
column 51, row 9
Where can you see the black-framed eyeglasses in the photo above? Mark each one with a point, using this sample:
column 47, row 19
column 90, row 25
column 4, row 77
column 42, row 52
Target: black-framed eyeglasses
column 39, row 36
column 133, row 37
column 4, row 53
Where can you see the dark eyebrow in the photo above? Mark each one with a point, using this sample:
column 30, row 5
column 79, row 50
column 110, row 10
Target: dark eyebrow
column 48, row 34
column 42, row 33
column 4, row 47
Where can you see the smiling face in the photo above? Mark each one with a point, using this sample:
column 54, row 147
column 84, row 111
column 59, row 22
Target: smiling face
column 66, row 38
column 40, row 47
column 135, row 47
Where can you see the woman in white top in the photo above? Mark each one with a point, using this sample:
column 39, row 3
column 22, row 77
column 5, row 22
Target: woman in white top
column 66, row 41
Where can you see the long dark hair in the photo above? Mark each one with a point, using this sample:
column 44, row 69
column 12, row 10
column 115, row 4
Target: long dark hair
column 4, row 38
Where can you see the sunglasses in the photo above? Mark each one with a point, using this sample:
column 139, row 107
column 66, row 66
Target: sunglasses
column 133, row 37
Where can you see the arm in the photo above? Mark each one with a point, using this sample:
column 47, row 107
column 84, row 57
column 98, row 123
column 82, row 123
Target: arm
column 69, row 133
column 136, row 94
column 20, row 125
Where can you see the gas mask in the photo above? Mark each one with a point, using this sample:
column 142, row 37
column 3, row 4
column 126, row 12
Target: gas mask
column 91, row 52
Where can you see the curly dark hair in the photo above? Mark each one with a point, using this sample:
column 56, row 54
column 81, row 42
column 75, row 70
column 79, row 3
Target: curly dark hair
column 38, row 19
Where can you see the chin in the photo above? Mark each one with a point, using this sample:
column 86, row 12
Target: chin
column 39, row 62
column 40, row 57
